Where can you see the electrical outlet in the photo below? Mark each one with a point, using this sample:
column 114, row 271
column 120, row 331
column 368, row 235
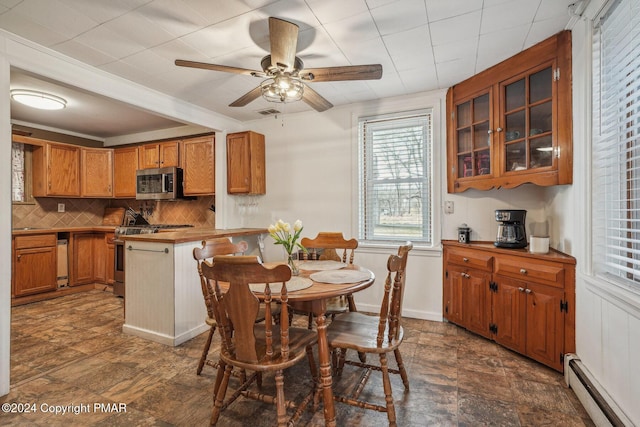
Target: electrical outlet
column 60, row 207
column 448, row 207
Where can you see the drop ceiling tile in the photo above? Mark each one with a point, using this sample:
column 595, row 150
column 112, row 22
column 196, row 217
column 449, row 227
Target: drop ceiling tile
column 109, row 42
column 395, row 18
column 214, row 11
column 371, row 51
column 462, row 27
column 295, row 11
column 25, row 27
column 497, row 46
column 173, row 16
column 419, row 80
column 553, row 9
column 335, row 10
column 379, row 3
column 103, row 11
column 453, row 72
column 405, row 54
column 9, row 3
column 84, row 53
column 438, row 10
column 137, row 28
column 456, row 50
column 150, row 61
column 56, row 16
column 223, row 38
column 541, row 30
column 177, row 49
column 355, row 28
column 508, row 15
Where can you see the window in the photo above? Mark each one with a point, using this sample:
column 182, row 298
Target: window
column 21, row 174
column 616, row 143
column 395, row 178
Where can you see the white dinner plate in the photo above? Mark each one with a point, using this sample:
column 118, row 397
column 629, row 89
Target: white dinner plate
column 295, row 284
column 340, row 276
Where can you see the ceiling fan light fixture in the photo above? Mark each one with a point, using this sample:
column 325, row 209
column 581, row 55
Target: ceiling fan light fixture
column 282, row 89
column 40, row 100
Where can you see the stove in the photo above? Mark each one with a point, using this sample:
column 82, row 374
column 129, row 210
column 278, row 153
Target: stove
column 126, row 230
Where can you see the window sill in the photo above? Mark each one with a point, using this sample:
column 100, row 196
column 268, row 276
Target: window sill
column 622, row 296
column 385, row 248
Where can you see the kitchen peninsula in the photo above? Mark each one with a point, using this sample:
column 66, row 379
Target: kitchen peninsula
column 163, row 297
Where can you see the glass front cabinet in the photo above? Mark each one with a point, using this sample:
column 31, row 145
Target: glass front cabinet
column 511, row 124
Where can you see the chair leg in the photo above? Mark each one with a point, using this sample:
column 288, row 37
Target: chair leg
column 388, row 397
column 205, row 351
column 316, row 379
column 280, row 402
column 341, row 356
column 220, row 392
column 403, row 372
column 219, row 376
column 310, row 323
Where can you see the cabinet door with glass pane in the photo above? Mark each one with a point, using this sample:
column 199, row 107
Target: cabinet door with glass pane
column 526, row 121
column 511, row 124
column 473, row 136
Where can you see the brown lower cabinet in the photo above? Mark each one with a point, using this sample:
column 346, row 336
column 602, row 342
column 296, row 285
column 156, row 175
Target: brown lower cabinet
column 522, row 301
column 34, row 264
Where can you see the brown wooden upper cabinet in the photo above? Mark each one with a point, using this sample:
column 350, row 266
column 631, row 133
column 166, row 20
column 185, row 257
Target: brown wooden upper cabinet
column 511, row 124
column 159, row 155
column 198, row 157
column 56, row 169
column 246, row 163
column 96, row 172
column 125, row 164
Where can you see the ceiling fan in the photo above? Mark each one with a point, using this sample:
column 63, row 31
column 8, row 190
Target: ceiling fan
column 284, row 73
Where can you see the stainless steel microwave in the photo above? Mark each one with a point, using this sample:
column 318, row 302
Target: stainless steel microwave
column 159, row 184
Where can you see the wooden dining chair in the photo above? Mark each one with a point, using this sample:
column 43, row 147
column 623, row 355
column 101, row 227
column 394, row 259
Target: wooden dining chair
column 258, row 347
column 209, row 249
column 335, row 248
column 357, row 331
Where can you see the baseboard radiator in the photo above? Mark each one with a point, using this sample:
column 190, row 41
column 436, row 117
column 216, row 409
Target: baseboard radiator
column 601, row 408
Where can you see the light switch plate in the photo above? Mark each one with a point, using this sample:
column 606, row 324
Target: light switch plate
column 448, row 207
column 60, row 207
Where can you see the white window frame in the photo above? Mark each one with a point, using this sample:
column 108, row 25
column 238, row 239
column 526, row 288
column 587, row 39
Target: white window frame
column 431, row 180
column 603, row 254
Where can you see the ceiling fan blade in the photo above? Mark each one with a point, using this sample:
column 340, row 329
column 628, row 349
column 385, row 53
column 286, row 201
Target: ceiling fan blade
column 252, row 95
column 214, row 67
column 350, row 72
column 315, row 100
column 284, row 40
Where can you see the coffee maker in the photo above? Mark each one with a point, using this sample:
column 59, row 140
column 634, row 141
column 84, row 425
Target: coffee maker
column 511, row 232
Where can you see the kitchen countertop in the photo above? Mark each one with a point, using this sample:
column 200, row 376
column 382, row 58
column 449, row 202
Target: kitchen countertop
column 552, row 255
column 195, row 234
column 45, row 230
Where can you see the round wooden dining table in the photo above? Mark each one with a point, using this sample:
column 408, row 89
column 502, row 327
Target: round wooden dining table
column 314, row 299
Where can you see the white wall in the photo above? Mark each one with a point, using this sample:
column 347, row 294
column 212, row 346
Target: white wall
column 311, row 176
column 607, row 317
column 5, row 226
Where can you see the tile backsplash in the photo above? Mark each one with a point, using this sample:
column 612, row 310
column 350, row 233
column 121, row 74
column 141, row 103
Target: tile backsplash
column 89, row 212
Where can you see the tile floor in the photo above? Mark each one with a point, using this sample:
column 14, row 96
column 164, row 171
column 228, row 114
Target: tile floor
column 70, row 352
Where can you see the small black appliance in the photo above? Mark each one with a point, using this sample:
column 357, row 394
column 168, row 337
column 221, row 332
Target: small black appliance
column 511, row 231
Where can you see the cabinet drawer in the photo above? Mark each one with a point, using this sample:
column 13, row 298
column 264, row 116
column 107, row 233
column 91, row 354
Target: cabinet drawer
column 470, row 258
column 35, row 241
column 547, row 273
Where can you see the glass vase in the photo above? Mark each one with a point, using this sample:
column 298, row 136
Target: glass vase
column 291, row 260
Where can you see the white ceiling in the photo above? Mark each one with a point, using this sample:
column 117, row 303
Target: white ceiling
column 422, row 45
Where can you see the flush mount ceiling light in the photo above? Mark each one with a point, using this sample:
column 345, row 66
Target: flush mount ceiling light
column 41, row 100
column 282, row 88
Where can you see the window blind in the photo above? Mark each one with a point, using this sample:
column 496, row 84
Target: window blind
column 395, row 179
column 616, row 143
